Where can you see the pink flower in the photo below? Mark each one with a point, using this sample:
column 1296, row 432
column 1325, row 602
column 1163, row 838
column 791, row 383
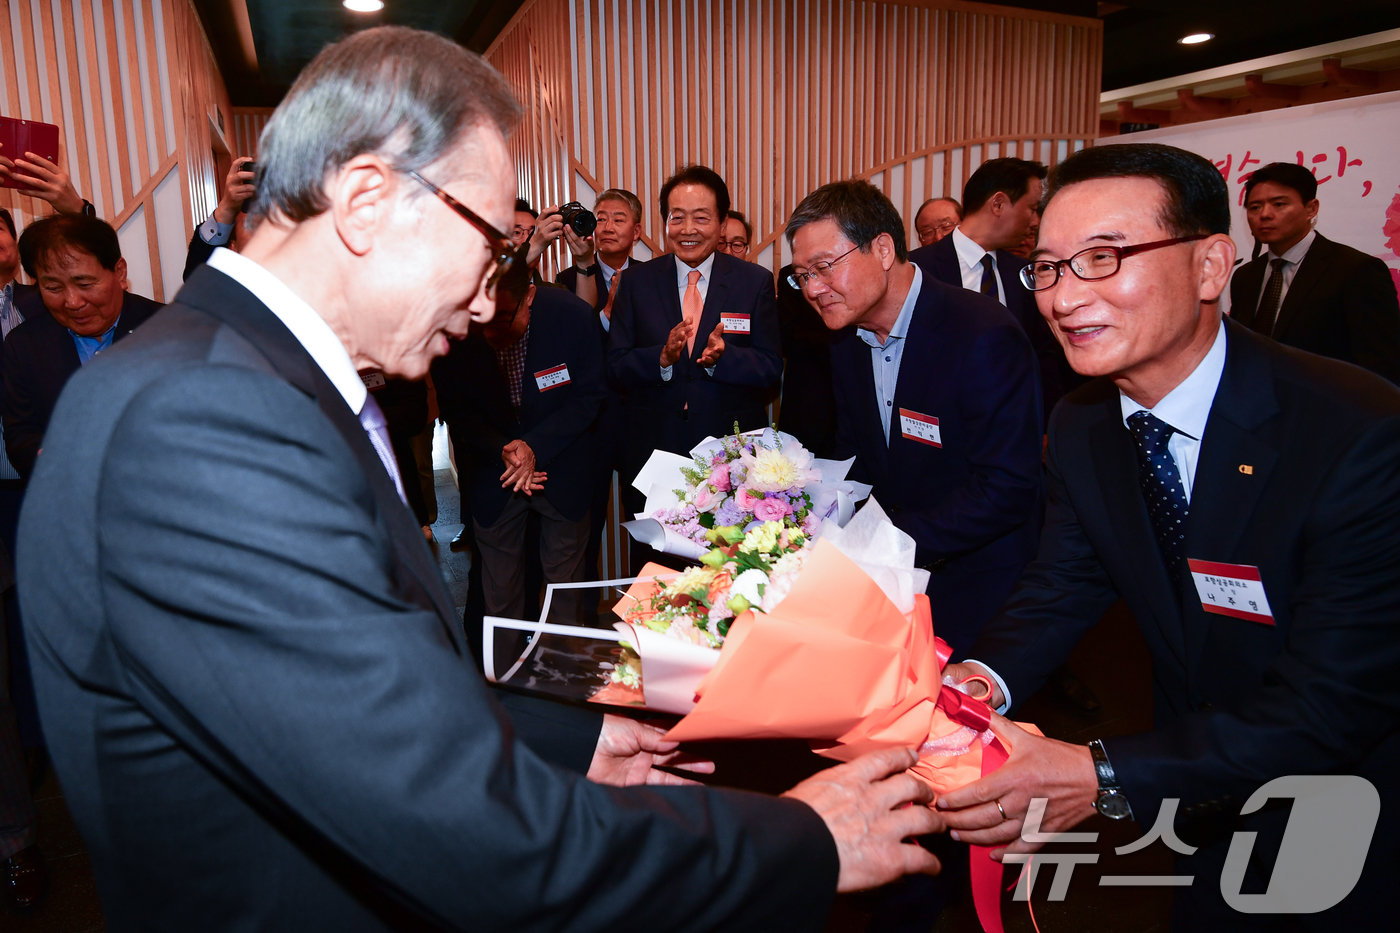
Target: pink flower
column 811, row 525
column 706, row 498
column 720, row 479
column 770, row 510
column 744, row 499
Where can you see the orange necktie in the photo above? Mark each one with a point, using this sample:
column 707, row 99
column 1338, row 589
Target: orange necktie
column 691, row 306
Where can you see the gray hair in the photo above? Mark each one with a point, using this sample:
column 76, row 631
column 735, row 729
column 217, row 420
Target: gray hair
column 406, row 95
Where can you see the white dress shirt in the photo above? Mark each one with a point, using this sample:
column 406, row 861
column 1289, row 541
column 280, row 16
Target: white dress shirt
column 608, row 273
column 683, row 282
column 308, row 327
column 1292, row 259
column 886, row 357
column 1187, row 409
column 970, row 264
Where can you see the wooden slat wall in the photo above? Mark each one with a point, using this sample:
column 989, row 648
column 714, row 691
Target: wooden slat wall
column 248, row 123
column 780, row 96
column 136, row 93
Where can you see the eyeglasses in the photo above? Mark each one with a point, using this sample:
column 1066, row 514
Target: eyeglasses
column 1092, row 264
column 821, row 270
column 942, row 228
column 507, row 255
column 734, row 246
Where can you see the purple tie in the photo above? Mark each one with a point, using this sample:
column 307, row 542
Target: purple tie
column 372, row 420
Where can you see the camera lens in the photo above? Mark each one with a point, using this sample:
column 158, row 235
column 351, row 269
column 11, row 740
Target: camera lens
column 579, row 218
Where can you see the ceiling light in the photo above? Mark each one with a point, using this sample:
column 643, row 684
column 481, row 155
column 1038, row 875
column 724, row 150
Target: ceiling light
column 364, row 6
column 1196, row 38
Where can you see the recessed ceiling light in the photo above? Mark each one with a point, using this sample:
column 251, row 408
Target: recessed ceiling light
column 1196, row 38
column 364, row 6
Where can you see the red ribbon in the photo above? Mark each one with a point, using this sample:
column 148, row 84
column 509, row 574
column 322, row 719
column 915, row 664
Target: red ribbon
column 965, row 710
column 986, row 874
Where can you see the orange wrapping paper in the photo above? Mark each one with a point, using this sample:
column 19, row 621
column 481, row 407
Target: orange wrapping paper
column 835, row 663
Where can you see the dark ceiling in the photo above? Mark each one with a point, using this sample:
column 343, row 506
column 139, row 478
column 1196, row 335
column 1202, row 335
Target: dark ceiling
column 1140, row 36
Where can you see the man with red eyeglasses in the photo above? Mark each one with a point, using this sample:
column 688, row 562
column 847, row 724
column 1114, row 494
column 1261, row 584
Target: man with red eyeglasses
column 1243, row 499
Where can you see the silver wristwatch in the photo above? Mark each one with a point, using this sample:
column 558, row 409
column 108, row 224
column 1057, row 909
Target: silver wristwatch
column 1111, row 802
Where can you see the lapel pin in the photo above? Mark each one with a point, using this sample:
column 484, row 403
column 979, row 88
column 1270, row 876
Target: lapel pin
column 1246, row 469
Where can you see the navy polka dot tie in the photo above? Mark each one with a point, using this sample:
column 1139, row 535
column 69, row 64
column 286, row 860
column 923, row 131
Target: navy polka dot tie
column 1161, row 486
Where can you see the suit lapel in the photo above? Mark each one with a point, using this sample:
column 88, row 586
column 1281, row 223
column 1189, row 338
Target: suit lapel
column 239, row 309
column 1224, row 497
column 1115, row 462
column 1311, row 273
column 1251, row 278
column 944, row 263
column 871, row 439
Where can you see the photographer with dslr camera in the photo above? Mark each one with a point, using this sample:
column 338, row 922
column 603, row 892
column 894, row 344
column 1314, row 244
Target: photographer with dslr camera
column 572, row 221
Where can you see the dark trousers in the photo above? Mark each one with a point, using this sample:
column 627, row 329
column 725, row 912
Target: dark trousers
column 503, row 544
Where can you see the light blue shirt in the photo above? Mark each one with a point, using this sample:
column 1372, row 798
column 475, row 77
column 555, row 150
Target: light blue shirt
column 885, row 357
column 1187, row 408
column 683, row 282
column 88, row 347
column 215, row 233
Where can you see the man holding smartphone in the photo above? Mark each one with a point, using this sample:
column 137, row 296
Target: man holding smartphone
column 225, row 226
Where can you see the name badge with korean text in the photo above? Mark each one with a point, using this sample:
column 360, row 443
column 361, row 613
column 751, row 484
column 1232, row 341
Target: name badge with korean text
column 1231, row 590
column 372, row 380
column 552, row 378
column 921, row 428
column 734, row 323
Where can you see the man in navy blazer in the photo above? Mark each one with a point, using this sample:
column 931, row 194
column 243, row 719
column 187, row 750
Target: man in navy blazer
column 78, row 263
column 1000, row 202
column 524, row 393
column 1242, row 497
column 694, row 335
column 936, row 398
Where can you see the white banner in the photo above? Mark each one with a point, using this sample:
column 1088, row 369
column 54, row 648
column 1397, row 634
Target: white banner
column 1350, row 145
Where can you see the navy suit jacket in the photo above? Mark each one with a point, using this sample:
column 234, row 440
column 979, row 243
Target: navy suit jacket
column 1341, row 304
column 648, row 305
column 258, row 698
column 557, row 423
column 39, row 360
column 941, row 261
column 974, row 503
column 1237, row 702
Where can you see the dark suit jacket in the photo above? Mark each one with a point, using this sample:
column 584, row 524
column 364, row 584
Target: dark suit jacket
column 975, row 502
column 556, row 423
column 39, row 360
column 808, row 410
column 569, row 278
column 1341, row 304
column 941, row 261
column 258, row 699
column 647, row 306
column 1237, row 703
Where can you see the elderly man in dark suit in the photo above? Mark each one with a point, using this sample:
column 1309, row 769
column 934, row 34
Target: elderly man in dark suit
column 936, row 398
column 1000, row 202
column 694, row 338
column 523, row 393
column 256, row 692
column 1308, row 291
column 1242, row 497
column 78, row 264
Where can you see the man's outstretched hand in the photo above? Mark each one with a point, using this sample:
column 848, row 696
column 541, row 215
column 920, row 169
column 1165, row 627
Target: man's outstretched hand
column 628, row 750
column 863, row 805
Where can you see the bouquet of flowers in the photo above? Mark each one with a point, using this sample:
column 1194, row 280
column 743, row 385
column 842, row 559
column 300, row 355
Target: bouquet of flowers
column 733, row 484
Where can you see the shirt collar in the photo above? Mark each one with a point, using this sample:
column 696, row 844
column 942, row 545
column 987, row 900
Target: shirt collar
column 969, row 252
column 308, row 327
column 1187, row 407
column 683, row 270
column 1296, row 253
column 900, row 330
column 609, row 271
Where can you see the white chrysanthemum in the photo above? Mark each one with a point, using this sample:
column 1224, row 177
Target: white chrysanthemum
column 778, row 470
column 747, row 584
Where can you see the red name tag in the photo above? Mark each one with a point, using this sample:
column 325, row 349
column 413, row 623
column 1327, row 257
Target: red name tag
column 552, row 378
column 1231, row 590
column 921, row 428
column 734, row 323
